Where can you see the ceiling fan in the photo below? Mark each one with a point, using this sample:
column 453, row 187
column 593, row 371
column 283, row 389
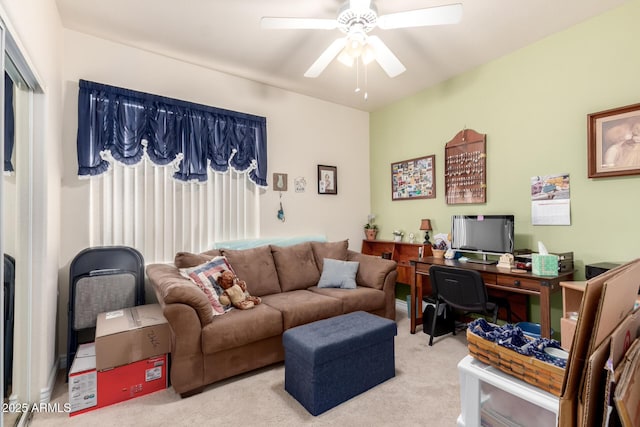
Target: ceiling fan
column 356, row 18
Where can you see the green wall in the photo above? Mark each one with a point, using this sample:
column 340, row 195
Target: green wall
column 533, row 106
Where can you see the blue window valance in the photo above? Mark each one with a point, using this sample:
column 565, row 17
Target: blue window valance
column 125, row 125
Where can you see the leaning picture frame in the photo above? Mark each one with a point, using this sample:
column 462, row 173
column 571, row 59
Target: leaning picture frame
column 414, row 178
column 613, row 138
column 327, row 179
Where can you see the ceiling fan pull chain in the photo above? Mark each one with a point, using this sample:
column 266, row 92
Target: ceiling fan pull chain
column 366, row 92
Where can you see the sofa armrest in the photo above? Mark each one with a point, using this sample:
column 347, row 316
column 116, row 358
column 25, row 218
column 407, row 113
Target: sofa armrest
column 171, row 287
column 378, row 273
column 373, row 270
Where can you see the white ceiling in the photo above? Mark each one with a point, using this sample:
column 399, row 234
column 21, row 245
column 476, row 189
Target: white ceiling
column 225, row 35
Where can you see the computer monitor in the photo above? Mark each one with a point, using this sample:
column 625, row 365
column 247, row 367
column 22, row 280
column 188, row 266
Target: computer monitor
column 482, row 234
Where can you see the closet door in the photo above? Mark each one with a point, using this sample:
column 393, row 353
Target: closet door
column 16, row 220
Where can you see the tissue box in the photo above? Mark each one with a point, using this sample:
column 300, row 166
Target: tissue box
column 544, row 265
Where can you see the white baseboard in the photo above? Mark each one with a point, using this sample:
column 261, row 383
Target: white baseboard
column 47, row 392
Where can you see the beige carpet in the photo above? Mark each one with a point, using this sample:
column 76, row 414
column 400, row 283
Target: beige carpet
column 424, row 392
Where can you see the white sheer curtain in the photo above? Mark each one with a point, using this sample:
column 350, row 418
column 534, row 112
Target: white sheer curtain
column 142, row 206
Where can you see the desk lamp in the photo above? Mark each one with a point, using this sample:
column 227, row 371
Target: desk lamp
column 425, row 225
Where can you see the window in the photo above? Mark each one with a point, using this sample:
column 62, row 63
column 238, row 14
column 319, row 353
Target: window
column 144, row 207
column 168, row 175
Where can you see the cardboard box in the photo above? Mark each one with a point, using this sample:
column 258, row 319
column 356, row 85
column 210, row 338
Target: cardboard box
column 83, row 383
column 131, row 334
column 132, row 380
column 567, row 331
column 608, row 300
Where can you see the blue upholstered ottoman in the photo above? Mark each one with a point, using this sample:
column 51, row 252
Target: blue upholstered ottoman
column 332, row 360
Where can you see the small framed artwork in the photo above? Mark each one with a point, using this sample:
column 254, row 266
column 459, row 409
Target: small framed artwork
column 413, row 179
column 613, row 138
column 279, row 182
column 327, row 179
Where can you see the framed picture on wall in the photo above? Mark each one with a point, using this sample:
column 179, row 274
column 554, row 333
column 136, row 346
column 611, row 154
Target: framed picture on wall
column 414, row 179
column 327, row 179
column 614, row 142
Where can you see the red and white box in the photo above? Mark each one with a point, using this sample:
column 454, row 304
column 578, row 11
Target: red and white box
column 90, row 389
column 129, row 381
column 83, row 381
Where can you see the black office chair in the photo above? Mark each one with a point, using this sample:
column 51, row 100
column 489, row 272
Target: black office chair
column 462, row 290
column 101, row 279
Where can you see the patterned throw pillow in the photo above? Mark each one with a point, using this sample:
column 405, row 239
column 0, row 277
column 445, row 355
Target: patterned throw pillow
column 205, row 276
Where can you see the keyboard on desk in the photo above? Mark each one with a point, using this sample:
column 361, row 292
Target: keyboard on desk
column 481, row 261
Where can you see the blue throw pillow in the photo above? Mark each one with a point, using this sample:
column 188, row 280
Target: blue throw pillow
column 338, row 274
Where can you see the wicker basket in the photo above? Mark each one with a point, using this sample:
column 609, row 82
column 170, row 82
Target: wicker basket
column 527, row 368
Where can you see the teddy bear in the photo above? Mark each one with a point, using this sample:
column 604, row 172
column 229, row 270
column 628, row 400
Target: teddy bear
column 235, row 292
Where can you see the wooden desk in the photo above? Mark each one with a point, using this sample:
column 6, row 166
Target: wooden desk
column 495, row 278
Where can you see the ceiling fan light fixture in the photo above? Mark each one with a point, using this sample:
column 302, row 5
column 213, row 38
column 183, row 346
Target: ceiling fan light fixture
column 368, row 54
column 345, row 58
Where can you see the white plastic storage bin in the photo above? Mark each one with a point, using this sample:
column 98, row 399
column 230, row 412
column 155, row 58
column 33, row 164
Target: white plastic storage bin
column 490, row 397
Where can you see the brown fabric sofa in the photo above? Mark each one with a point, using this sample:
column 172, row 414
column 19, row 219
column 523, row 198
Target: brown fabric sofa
column 208, row 348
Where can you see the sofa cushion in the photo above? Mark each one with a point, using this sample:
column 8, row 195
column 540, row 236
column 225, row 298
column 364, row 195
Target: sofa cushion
column 302, row 307
column 296, row 266
column 338, row 274
column 333, row 250
column 256, row 267
column 188, row 259
column 361, row 298
column 241, row 327
column 205, row 276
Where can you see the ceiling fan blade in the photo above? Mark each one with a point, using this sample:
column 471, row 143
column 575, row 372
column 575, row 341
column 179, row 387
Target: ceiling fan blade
column 326, row 57
column 273, row 23
column 387, row 60
column 439, row 15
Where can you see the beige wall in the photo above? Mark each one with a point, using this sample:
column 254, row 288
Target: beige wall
column 302, row 132
column 533, row 106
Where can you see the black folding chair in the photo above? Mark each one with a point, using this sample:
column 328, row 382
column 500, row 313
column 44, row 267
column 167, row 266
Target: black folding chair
column 461, row 289
column 101, row 279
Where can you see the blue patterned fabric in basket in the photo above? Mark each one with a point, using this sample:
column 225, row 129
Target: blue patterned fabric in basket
column 512, row 337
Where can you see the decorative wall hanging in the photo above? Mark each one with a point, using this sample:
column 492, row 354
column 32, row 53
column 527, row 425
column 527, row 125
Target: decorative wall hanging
column 414, row 179
column 614, row 142
column 281, row 210
column 327, row 179
column 465, row 168
column 300, row 184
column 279, row 182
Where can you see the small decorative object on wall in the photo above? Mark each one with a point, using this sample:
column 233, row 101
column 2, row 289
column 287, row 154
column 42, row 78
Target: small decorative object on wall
column 614, row 142
column 465, row 168
column 300, row 184
column 327, row 179
column 280, row 182
column 281, row 210
column 414, row 179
